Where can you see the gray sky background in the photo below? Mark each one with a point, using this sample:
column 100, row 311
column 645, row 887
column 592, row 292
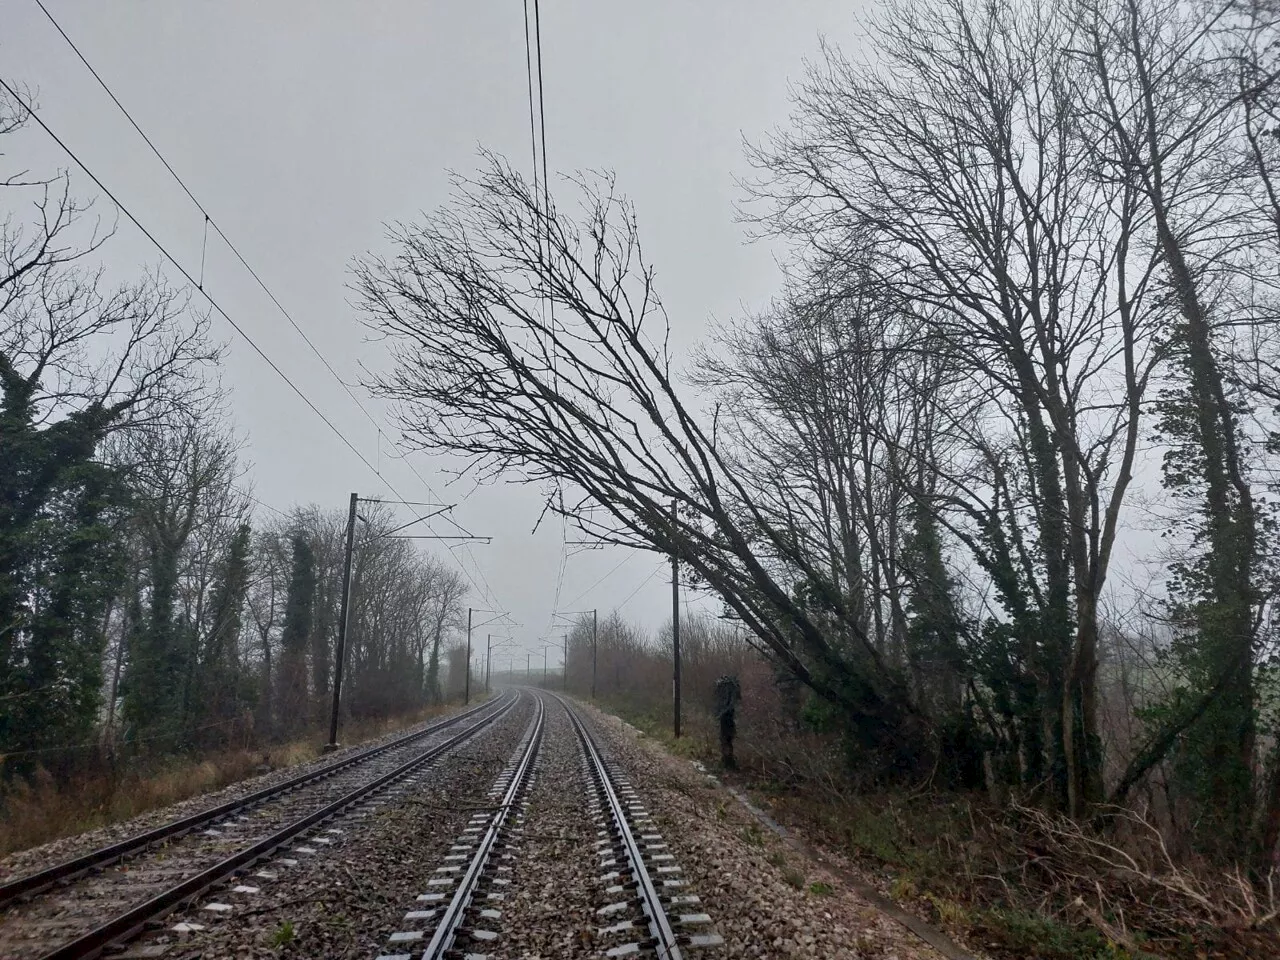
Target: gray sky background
column 304, row 126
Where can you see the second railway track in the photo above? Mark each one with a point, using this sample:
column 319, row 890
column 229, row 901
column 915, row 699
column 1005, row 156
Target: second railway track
column 572, row 862
column 98, row 906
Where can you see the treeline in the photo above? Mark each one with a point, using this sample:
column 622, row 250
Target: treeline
column 1023, row 372
column 147, row 604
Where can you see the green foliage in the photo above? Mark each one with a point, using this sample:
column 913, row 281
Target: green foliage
column 302, row 592
column 1034, row 935
column 1213, row 592
column 295, row 635
column 59, row 569
column 284, row 934
column 221, row 686
column 161, row 648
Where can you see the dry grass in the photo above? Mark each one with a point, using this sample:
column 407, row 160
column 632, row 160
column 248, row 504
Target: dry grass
column 41, row 809
column 1015, row 882
column 1011, row 881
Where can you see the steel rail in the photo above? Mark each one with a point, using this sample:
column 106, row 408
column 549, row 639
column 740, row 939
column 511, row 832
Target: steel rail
column 665, row 940
column 450, row 923
column 33, row 883
column 128, row 924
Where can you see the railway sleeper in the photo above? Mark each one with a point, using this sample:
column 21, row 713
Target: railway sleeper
column 492, row 834
column 627, row 908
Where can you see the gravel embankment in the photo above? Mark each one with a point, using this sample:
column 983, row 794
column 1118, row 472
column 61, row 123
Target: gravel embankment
column 349, row 897
column 346, row 898
column 36, row 858
column 765, row 899
column 56, row 917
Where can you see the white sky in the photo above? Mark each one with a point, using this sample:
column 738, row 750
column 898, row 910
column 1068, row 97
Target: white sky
column 304, row 126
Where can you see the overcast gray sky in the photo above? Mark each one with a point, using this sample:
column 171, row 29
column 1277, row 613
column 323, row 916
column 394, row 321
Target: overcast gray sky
column 304, row 126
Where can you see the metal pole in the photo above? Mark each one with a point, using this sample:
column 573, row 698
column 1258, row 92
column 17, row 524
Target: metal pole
column 488, row 661
column 595, row 624
column 564, row 679
column 528, row 669
column 339, row 653
column 466, row 695
column 544, row 665
column 675, row 618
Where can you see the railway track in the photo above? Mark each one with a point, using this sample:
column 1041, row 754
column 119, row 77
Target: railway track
column 457, row 910
column 650, row 911
column 171, row 864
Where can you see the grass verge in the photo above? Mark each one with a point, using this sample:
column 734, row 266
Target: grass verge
column 39, row 810
column 1011, row 882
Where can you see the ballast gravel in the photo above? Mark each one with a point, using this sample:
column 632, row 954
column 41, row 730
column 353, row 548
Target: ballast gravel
column 342, row 891
column 37, row 858
column 765, row 899
column 348, row 897
column 550, row 908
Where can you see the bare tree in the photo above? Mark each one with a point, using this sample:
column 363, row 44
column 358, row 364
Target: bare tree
column 957, row 151
column 588, row 405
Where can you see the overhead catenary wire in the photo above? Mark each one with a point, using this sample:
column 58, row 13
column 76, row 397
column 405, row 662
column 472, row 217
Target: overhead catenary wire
column 208, row 218
column 616, row 568
column 533, row 136
column 538, row 125
column 164, row 251
column 643, row 583
column 276, row 510
column 487, row 592
column 210, row 221
column 564, row 560
column 213, row 302
column 542, row 122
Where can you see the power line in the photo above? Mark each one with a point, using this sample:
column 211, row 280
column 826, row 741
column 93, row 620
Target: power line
column 533, row 136
column 616, row 568
column 564, row 560
column 208, row 219
column 643, row 584
column 164, row 251
column 544, row 258
column 277, row 511
column 199, row 285
column 542, row 120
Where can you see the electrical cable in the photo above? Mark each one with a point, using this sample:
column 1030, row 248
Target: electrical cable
column 209, row 221
column 542, row 120
column 534, row 126
column 643, row 584
column 164, row 251
column 616, row 568
column 533, row 136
